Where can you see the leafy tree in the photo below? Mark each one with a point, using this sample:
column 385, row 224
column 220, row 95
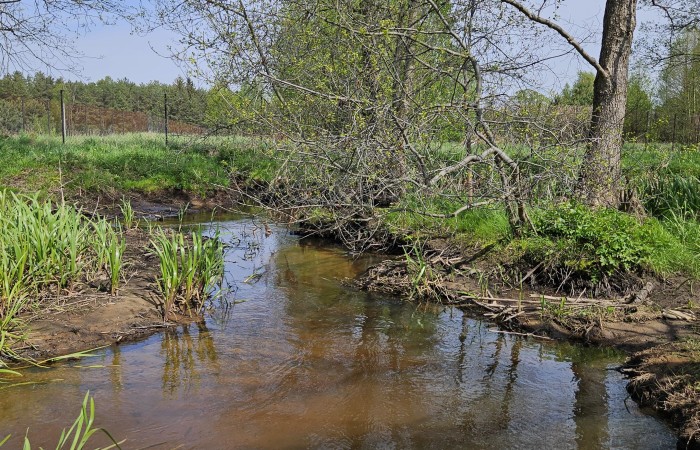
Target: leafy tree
column 639, row 108
column 581, row 93
column 679, row 90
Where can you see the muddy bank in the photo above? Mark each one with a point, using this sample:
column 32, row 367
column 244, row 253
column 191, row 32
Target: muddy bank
column 666, row 378
column 157, row 205
column 622, row 322
column 656, row 318
column 86, row 316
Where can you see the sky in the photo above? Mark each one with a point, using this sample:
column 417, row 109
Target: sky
column 113, row 50
column 116, row 52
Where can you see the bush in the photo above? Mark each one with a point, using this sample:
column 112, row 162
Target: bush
column 599, row 242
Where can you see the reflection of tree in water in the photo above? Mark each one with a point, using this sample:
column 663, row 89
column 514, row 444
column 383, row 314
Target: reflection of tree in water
column 115, row 369
column 591, row 404
column 186, row 357
column 512, row 376
column 356, row 349
column 470, row 337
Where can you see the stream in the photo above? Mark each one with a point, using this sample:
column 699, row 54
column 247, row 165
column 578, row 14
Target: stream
column 290, row 357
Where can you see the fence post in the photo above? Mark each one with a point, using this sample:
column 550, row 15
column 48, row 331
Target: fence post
column 165, row 110
column 24, row 120
column 48, row 116
column 63, row 119
column 673, row 136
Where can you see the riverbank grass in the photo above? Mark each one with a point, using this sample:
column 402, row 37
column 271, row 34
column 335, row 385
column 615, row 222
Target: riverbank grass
column 190, row 268
column 45, row 249
column 119, row 164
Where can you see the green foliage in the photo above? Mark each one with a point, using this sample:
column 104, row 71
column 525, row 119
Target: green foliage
column 668, row 182
column 115, row 254
column 135, row 162
column 638, row 109
column 127, row 214
column 639, row 106
column 600, row 242
column 419, row 271
column 250, row 159
column 679, row 90
column 242, row 110
column 672, row 195
column 78, row 436
column 44, row 247
column 186, row 102
column 479, row 225
column 581, row 93
column 189, row 269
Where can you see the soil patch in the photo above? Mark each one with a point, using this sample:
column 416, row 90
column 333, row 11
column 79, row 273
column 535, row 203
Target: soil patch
column 157, row 205
column 667, row 378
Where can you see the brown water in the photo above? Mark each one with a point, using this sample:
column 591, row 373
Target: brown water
column 304, row 362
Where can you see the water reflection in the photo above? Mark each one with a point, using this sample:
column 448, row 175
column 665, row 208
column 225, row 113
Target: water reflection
column 303, row 361
column 185, row 356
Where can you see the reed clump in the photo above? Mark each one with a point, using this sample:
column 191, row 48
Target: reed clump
column 45, row 249
column 190, row 268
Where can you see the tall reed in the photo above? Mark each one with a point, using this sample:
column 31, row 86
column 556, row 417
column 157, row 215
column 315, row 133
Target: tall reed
column 115, row 254
column 167, row 250
column 46, row 248
column 189, row 268
column 128, row 216
column 79, row 435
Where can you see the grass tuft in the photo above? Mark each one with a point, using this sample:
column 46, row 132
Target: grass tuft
column 189, row 268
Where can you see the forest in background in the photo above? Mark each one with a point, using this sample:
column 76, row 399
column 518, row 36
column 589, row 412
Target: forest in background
column 660, row 108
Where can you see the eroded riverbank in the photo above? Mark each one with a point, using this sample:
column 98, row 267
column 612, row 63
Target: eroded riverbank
column 658, row 328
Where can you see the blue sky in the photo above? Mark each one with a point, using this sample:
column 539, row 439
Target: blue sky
column 118, row 53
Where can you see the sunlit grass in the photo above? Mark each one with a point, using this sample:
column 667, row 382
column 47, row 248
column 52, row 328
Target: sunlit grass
column 131, row 162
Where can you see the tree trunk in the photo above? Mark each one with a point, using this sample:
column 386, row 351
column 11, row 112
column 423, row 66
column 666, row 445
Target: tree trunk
column 599, row 180
column 402, row 89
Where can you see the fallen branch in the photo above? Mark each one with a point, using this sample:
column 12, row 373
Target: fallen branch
column 537, row 336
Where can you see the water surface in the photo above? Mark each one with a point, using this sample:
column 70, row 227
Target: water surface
column 298, row 360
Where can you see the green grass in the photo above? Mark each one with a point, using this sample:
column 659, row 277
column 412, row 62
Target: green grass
column 667, row 181
column 78, row 436
column 604, row 242
column 131, row 162
column 411, row 219
column 592, row 244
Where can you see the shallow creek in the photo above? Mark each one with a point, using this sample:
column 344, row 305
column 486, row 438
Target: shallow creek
column 299, row 360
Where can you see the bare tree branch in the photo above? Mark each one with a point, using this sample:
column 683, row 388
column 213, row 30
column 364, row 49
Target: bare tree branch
column 563, row 33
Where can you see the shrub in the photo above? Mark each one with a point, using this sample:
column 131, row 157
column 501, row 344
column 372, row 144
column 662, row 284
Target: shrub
column 599, row 242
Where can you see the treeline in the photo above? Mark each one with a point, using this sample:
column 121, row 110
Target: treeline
column 31, row 102
column 665, row 111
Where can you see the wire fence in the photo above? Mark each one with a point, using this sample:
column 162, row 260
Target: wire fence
column 69, row 117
